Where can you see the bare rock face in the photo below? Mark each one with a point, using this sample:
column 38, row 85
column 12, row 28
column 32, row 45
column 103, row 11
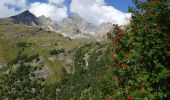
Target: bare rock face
column 73, row 27
column 76, row 27
column 25, row 18
column 46, row 22
column 69, row 65
column 53, row 59
column 61, row 56
column 70, row 62
column 103, row 29
column 30, row 19
column 38, row 62
column 43, row 73
column 86, row 57
column 2, row 66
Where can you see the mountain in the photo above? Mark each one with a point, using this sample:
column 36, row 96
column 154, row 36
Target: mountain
column 25, row 18
column 103, row 28
column 32, row 59
column 46, row 22
column 73, row 27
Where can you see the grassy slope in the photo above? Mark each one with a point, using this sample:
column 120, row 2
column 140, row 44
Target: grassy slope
column 84, row 83
column 41, row 42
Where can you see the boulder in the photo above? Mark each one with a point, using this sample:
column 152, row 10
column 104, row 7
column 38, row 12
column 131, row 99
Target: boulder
column 86, row 56
column 53, row 59
column 61, row 56
column 69, row 66
column 41, row 73
column 38, row 62
column 1, row 66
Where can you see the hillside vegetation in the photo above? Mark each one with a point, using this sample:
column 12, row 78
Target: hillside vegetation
column 133, row 64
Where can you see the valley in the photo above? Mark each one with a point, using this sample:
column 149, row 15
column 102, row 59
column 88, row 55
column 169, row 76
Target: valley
column 47, row 60
column 30, row 41
column 72, row 59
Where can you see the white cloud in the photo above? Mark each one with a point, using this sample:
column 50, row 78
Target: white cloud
column 17, row 3
column 8, row 7
column 48, row 10
column 97, row 12
column 94, row 11
column 54, row 8
column 56, row 1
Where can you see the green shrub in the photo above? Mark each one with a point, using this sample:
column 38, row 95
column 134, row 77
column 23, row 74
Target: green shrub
column 55, row 52
column 140, row 62
column 23, row 44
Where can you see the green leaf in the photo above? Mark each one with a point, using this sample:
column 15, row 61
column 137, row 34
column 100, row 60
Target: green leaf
column 149, row 89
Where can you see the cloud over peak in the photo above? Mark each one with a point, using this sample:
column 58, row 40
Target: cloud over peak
column 49, row 10
column 97, row 12
column 93, row 11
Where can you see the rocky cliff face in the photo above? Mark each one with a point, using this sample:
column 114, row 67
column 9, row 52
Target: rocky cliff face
column 46, row 22
column 25, row 18
column 73, row 27
column 103, row 28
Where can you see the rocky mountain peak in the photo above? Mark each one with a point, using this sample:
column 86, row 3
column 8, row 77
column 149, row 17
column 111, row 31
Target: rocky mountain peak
column 26, row 12
column 25, row 17
column 72, row 26
column 75, row 16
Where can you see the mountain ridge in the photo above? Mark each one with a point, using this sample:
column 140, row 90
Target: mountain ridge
column 25, row 17
column 73, row 26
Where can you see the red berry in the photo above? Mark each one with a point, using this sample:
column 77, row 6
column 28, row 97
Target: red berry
column 143, row 84
column 122, row 33
column 158, row 27
column 122, row 81
column 115, row 43
column 153, row 2
column 117, row 66
column 108, row 98
column 168, row 40
column 168, row 85
column 129, row 97
column 131, row 21
column 149, row 13
column 128, row 54
column 125, row 66
column 139, row 91
column 118, row 48
column 118, row 38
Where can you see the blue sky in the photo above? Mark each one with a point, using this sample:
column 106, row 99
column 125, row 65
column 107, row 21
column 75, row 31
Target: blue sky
column 119, row 4
column 31, row 1
column 93, row 11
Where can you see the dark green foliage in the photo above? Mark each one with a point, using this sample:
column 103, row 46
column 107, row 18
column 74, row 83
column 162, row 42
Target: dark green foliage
column 21, row 83
column 23, row 58
column 140, row 59
column 35, row 56
column 84, row 82
column 55, row 52
column 23, row 44
column 18, row 58
column 22, row 70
